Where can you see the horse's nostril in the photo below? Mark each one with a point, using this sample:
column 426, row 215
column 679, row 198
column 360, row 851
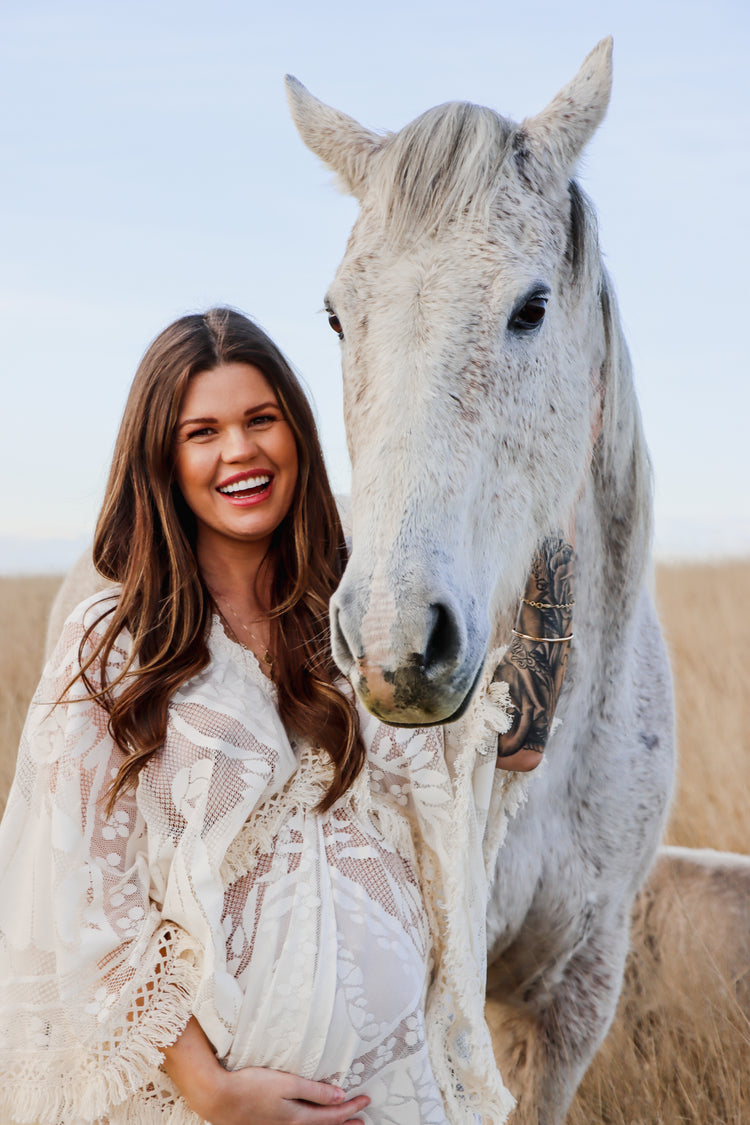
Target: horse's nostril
column 444, row 640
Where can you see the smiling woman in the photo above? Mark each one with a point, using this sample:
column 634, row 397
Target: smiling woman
column 181, row 555
column 167, row 757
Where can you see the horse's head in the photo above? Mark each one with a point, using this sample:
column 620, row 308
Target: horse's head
column 468, row 305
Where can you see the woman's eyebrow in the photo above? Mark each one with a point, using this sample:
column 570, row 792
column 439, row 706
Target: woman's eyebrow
column 194, row 421
column 263, row 406
column 250, row 410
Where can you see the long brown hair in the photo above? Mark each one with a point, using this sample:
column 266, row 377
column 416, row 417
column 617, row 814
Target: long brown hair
column 145, row 540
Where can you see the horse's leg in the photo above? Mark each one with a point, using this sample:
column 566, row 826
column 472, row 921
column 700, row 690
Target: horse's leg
column 545, row 1040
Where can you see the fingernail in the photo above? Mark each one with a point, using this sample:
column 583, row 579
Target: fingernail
column 339, row 1095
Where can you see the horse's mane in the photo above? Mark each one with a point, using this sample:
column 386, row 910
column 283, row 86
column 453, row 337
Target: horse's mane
column 444, row 164
column 622, row 466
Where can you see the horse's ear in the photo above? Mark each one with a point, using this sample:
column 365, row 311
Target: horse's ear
column 340, row 141
column 565, row 127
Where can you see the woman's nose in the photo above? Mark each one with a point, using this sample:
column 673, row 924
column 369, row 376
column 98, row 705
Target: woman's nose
column 239, row 444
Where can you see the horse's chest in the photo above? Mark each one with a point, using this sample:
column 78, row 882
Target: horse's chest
column 553, row 879
column 548, row 886
column 540, row 927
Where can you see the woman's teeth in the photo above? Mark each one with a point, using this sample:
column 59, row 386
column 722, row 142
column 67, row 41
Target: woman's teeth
column 245, row 485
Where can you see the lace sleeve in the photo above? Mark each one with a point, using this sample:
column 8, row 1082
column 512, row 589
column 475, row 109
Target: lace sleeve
column 94, row 980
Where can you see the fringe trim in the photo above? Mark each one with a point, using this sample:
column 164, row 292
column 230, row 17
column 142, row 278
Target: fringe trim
column 81, row 1086
column 492, row 714
column 458, row 1038
column 137, row 1112
column 140, row 1109
column 509, row 793
column 304, row 789
column 491, row 709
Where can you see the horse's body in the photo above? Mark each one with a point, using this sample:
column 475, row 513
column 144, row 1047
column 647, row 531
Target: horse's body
column 470, row 434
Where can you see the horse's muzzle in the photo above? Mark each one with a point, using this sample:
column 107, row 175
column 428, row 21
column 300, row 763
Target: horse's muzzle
column 415, row 676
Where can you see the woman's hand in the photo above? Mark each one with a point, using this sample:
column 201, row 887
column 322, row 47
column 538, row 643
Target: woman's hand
column 535, row 662
column 254, row 1095
column 258, row 1096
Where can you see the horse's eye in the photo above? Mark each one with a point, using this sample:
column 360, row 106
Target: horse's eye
column 335, row 324
column 529, row 315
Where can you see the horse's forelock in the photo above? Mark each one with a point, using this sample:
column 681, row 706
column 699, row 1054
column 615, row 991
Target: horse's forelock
column 444, row 164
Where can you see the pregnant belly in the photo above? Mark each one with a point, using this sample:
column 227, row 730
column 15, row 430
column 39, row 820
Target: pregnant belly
column 329, row 943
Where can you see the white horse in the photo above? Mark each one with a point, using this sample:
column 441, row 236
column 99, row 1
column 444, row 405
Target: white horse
column 480, row 341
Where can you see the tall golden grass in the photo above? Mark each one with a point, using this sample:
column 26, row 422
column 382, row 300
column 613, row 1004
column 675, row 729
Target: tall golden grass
column 705, row 612
column 679, row 1050
column 24, row 607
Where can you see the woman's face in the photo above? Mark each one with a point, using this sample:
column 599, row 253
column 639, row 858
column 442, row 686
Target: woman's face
column 235, row 457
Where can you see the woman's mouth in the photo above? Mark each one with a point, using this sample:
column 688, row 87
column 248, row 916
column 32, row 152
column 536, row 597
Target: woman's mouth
column 247, row 488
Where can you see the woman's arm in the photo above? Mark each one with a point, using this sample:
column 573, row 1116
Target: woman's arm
column 253, row 1095
column 534, row 664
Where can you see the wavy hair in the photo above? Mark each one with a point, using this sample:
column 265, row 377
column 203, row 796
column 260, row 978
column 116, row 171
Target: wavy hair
column 145, row 541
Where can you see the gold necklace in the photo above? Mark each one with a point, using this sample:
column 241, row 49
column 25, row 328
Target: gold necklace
column 266, row 658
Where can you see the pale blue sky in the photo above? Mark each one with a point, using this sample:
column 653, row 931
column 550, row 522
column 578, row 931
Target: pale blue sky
column 150, row 168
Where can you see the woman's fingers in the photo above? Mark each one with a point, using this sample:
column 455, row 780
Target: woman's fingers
column 523, row 761
column 261, row 1096
column 345, row 1114
column 318, row 1093
column 321, row 1103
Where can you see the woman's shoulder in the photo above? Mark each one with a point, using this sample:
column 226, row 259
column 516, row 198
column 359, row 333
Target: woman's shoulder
column 77, row 646
column 84, row 626
column 91, row 610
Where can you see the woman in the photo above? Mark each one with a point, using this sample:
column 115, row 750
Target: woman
column 226, row 893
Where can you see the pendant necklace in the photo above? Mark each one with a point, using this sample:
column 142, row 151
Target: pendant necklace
column 266, row 657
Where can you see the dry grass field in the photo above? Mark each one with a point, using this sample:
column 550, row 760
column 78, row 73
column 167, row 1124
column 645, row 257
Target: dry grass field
column 24, row 606
column 679, row 1051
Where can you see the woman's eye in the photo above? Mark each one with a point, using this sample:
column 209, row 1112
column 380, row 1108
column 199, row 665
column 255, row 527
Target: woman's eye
column 262, row 420
column 529, row 315
column 203, row 432
column 335, row 324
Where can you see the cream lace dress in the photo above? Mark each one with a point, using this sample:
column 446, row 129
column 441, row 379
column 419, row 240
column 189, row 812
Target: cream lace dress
column 347, row 946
